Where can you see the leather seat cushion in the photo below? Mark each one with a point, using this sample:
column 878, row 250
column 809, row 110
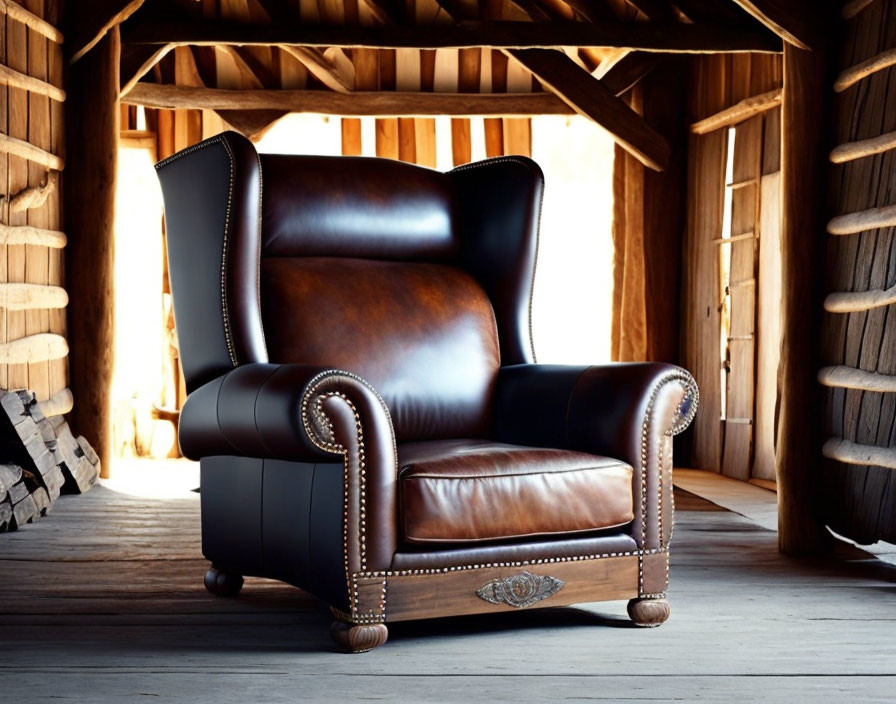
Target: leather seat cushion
column 463, row 491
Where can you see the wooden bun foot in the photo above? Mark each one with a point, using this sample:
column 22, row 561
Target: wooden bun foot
column 221, row 583
column 358, row 639
column 648, row 613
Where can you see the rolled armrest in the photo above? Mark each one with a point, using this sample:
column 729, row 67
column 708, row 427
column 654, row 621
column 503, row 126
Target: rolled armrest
column 626, row 411
column 272, row 411
column 307, row 414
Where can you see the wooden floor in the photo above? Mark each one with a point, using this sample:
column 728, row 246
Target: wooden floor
column 103, row 602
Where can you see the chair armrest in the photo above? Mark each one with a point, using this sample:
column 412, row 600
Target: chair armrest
column 305, row 413
column 625, row 411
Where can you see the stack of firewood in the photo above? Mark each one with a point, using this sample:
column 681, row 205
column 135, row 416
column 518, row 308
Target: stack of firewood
column 39, row 460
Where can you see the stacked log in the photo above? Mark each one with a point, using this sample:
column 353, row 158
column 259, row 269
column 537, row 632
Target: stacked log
column 39, row 460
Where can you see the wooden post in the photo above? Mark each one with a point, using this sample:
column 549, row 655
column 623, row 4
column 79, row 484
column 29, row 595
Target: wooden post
column 92, row 141
column 803, row 186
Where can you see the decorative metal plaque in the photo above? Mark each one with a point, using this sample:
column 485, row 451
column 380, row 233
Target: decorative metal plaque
column 520, row 590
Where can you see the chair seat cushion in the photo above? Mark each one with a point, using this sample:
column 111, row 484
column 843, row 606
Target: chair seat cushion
column 461, row 491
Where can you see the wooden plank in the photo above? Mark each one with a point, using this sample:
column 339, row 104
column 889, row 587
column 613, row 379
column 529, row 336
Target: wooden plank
column 768, row 327
column 321, row 68
column 792, row 20
column 37, row 320
column 4, row 193
column 743, row 110
column 856, row 301
column 588, row 97
column 361, row 102
column 413, row 597
column 26, row 234
column 139, row 59
column 19, row 191
column 15, row 11
column 55, row 255
column 644, row 36
column 702, row 291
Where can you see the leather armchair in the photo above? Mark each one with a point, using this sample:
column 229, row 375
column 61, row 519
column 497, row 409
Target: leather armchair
column 365, row 404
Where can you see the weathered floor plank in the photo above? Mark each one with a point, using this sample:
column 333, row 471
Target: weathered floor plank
column 102, row 601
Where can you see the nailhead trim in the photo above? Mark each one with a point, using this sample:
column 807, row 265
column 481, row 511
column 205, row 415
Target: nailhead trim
column 491, row 565
column 499, row 160
column 315, row 421
column 225, row 315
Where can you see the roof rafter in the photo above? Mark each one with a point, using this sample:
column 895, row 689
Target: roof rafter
column 792, row 20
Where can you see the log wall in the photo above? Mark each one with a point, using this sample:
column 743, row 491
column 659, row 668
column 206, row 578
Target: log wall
column 32, row 159
column 859, row 329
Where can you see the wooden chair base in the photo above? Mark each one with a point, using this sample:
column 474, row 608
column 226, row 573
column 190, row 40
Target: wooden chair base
column 358, row 639
column 648, row 613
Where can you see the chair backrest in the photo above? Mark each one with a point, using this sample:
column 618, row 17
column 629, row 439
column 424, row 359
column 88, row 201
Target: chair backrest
column 418, row 281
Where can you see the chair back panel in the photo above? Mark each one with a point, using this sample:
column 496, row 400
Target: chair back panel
column 356, row 207
column 423, row 334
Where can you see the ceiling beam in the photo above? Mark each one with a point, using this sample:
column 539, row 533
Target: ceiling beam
column 359, row 103
column 319, row 66
column 644, row 36
column 795, row 21
column 88, row 22
column 587, row 96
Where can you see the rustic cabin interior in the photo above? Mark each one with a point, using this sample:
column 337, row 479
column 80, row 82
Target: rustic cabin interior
column 536, row 349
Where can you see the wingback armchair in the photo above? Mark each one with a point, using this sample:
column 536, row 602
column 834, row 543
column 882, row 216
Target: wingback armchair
column 365, row 404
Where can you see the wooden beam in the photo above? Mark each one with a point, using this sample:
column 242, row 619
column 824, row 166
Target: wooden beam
column 375, row 103
column 90, row 220
column 585, row 94
column 843, row 377
column 629, row 70
column 16, row 12
column 25, row 234
column 30, row 296
column 644, row 36
column 139, row 59
column 792, row 20
column 861, row 70
column 26, row 150
column 92, row 20
column 856, row 301
column 797, row 461
column 738, row 112
column 849, row 452
column 321, row 67
column 58, row 404
column 16, row 79
column 35, row 348
column 850, row 151
column 854, row 7
column 871, row 219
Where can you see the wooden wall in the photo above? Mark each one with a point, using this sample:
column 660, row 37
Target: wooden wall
column 859, row 332
column 33, row 348
column 722, row 324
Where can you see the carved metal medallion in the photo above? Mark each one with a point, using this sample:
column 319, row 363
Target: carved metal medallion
column 520, row 590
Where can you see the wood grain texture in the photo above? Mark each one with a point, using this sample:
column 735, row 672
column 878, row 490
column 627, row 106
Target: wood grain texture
column 863, row 147
column 853, row 74
column 360, row 103
column 687, row 38
column 802, row 208
column 792, row 20
column 451, row 593
column 590, row 98
column 26, row 150
column 90, row 210
column 740, row 111
column 15, row 11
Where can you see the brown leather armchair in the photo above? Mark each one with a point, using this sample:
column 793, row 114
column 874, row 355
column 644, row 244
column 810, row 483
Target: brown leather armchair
column 365, row 403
